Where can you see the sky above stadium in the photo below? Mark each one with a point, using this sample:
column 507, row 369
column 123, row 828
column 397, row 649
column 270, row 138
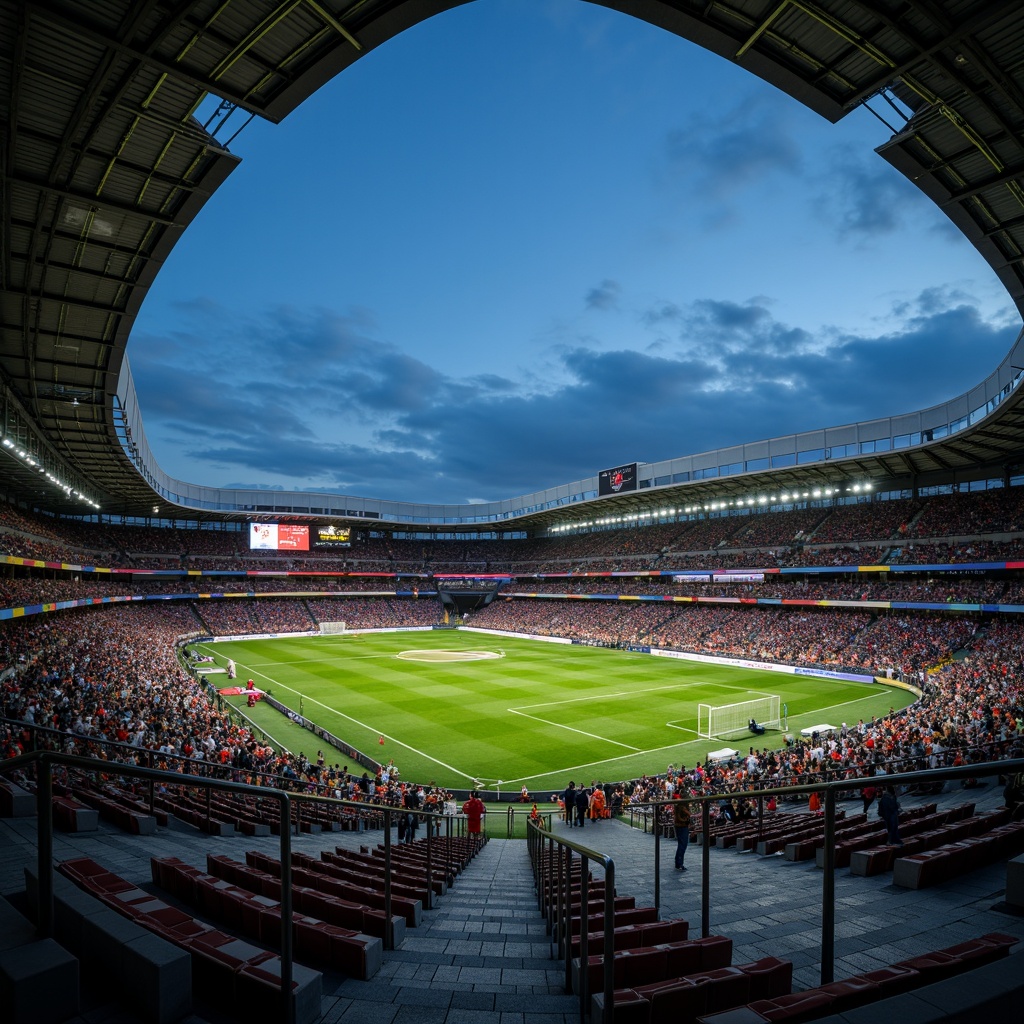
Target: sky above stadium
column 523, row 242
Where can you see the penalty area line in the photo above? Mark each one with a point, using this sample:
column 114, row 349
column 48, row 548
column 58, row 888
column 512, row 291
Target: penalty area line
column 589, row 764
column 569, row 728
column 603, row 696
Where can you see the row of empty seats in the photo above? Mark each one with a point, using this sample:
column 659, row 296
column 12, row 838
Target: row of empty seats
column 665, row 978
column 234, row 972
column 867, row 988
column 257, row 915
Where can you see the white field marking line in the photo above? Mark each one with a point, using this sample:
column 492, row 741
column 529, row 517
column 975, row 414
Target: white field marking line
column 681, row 728
column 845, row 703
column 362, row 725
column 318, row 661
column 599, row 696
column 589, row 764
column 266, row 732
column 569, row 728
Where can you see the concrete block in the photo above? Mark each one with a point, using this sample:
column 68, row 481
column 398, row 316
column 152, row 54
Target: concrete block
column 157, row 976
column 71, row 906
column 1015, row 882
column 15, row 928
column 16, row 802
column 38, row 983
column 103, row 935
column 258, row 986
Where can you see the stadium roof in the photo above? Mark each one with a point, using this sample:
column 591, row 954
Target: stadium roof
column 105, row 165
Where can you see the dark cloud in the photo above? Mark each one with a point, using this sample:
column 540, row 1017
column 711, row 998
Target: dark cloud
column 719, row 154
column 663, row 312
column 492, row 382
column 604, row 296
column 863, row 197
column 379, row 423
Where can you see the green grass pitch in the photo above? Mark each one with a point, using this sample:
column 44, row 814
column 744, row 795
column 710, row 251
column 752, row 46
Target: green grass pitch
column 540, row 715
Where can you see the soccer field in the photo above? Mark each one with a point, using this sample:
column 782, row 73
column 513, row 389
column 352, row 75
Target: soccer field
column 463, row 708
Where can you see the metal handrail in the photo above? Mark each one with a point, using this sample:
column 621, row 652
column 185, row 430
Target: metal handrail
column 549, row 888
column 513, row 810
column 552, row 859
column 831, row 790
column 44, row 760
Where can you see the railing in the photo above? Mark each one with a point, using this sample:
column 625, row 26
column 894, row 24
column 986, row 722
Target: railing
column 552, row 871
column 552, row 875
column 520, row 810
column 43, row 737
column 44, row 761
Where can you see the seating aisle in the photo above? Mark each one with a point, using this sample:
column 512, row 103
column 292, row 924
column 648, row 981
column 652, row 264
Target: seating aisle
column 483, row 954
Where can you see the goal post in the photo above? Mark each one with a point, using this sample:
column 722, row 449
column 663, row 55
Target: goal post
column 733, row 719
column 332, row 627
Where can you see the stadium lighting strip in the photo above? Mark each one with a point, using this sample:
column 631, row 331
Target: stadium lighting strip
column 29, row 460
column 713, row 506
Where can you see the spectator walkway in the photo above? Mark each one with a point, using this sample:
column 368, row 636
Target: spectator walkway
column 482, row 956
column 772, row 907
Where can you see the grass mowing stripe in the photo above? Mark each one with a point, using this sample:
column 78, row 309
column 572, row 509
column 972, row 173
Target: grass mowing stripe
column 459, row 720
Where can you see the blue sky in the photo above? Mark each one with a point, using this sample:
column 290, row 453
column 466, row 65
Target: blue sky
column 526, row 241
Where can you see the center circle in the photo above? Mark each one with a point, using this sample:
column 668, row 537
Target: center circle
column 447, row 655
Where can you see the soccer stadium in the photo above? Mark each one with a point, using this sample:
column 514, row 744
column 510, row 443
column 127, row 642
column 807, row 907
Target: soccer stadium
column 323, row 757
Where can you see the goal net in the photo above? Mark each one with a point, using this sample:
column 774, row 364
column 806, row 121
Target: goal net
column 734, row 719
column 332, row 627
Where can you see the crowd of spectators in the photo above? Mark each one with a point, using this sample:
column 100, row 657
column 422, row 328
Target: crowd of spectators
column 856, row 641
column 816, row 531
column 110, row 683
column 110, row 674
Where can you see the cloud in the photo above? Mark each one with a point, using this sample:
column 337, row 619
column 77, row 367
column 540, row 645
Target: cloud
column 662, row 312
column 603, row 296
column 715, row 156
column 374, row 421
column 864, row 197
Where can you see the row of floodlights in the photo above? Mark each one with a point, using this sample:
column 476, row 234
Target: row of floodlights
column 27, row 458
column 716, row 506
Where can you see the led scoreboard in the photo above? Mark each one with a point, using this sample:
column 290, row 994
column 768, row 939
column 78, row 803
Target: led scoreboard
column 278, row 537
column 617, row 480
column 295, row 537
column 331, row 536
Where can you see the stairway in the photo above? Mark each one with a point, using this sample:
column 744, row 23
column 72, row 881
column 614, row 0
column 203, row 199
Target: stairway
column 483, row 950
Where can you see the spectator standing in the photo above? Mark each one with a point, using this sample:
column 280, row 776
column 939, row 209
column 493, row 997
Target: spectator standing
column 889, row 812
column 474, row 810
column 569, row 803
column 681, row 820
column 582, row 805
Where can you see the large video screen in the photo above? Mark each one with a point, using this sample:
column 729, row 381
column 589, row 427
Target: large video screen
column 331, row 536
column 617, row 480
column 278, row 537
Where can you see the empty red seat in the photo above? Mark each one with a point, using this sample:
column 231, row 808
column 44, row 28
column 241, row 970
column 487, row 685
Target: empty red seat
column 850, row 993
column 642, row 966
column 679, row 1001
column 683, row 958
column 794, row 1008
column 932, row 966
column 726, row 987
column 769, row 977
column 893, row 980
column 983, row 950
